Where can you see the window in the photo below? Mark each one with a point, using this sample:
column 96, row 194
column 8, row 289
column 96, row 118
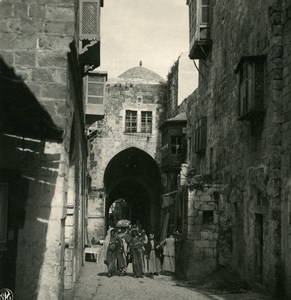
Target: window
column 205, row 7
column 90, row 20
column 199, row 27
column 199, row 19
column 89, row 33
column 189, row 150
column 131, row 121
column 176, row 144
column 251, row 71
column 205, row 20
column 207, row 217
column 200, row 135
column 3, row 212
column 95, row 89
column 146, row 121
column 164, row 138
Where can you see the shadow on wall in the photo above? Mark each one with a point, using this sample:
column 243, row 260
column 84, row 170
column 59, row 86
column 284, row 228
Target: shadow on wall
column 31, row 177
column 29, row 169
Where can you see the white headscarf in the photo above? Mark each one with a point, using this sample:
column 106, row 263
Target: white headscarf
column 105, row 245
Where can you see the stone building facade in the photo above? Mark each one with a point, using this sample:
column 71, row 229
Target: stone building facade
column 238, row 136
column 285, row 13
column 181, row 81
column 124, row 160
column 43, row 152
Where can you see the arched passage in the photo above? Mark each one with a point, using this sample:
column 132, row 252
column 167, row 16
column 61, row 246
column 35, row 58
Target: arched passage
column 134, row 175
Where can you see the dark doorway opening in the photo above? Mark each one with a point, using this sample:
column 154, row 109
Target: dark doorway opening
column 133, row 176
column 259, row 246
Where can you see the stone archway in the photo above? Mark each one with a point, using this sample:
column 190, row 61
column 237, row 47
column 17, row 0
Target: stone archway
column 134, row 175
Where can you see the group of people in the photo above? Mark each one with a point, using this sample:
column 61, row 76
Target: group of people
column 132, row 245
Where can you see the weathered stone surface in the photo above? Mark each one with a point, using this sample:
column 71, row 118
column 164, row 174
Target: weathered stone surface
column 38, row 53
column 25, row 58
column 51, row 59
column 55, row 91
column 7, row 56
column 246, row 157
column 121, row 94
column 56, row 13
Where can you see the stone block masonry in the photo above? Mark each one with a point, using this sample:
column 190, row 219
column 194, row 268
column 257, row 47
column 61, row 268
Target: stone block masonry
column 202, row 232
column 37, row 49
column 35, row 38
column 121, row 95
column 250, row 158
column 286, row 145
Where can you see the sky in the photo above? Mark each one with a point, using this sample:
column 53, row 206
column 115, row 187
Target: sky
column 152, row 31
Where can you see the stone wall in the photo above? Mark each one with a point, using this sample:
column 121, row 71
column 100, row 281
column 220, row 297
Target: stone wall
column 37, row 47
column 121, row 95
column 173, row 91
column 40, row 235
column 202, row 230
column 243, row 156
column 286, row 145
column 35, row 40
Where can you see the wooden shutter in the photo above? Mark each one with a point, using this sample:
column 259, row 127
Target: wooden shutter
column 89, row 28
column 131, row 121
column 146, row 121
column 203, row 133
column 197, row 142
column 205, row 10
column 246, row 89
column 259, row 85
column 204, row 19
column 95, row 91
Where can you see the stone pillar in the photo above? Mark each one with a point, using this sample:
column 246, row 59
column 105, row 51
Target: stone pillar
column 69, row 230
column 202, row 231
column 96, row 215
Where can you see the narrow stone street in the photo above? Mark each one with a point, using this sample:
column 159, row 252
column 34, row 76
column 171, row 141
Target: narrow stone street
column 94, row 284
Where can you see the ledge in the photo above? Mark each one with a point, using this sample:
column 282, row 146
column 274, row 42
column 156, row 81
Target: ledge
column 199, row 49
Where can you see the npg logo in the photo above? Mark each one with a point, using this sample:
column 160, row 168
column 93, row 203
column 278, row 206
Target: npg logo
column 6, row 294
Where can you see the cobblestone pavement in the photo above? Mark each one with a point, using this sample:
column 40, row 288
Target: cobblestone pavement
column 94, row 284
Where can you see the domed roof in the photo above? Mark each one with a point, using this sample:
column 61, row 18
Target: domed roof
column 141, row 74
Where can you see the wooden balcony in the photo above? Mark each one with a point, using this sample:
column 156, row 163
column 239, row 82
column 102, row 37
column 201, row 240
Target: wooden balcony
column 95, row 83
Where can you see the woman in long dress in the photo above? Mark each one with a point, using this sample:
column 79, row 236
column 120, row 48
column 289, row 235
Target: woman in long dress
column 145, row 240
column 169, row 254
column 121, row 258
column 111, row 251
column 136, row 247
column 154, row 264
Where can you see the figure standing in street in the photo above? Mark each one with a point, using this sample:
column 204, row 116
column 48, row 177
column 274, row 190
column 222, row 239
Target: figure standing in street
column 145, row 240
column 154, row 264
column 121, row 254
column 136, row 246
column 127, row 238
column 169, row 254
column 112, row 248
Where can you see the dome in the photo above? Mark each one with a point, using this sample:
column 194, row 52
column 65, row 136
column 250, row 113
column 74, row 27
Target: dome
column 141, row 74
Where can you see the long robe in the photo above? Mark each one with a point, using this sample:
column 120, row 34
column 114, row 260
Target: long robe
column 121, row 259
column 145, row 241
column 136, row 252
column 104, row 248
column 154, row 263
column 169, row 255
column 112, row 252
column 111, row 257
